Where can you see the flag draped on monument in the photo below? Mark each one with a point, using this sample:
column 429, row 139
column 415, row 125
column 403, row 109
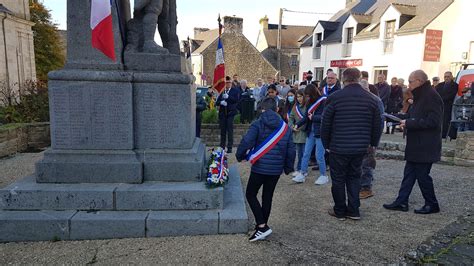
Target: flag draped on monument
column 219, row 70
column 101, row 25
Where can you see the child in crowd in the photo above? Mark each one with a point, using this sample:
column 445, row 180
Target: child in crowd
column 269, row 147
column 299, row 136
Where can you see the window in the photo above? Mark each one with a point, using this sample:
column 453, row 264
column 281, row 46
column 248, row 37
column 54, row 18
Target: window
column 378, row 71
column 318, row 73
column 349, row 35
column 317, row 45
column 388, row 38
column 347, row 47
column 294, row 60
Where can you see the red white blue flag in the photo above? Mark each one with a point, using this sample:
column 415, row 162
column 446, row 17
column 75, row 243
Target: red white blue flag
column 219, row 71
column 268, row 143
column 101, row 26
column 315, row 105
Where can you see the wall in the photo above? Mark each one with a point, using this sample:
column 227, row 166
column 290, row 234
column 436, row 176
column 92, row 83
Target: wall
column 455, row 22
column 32, row 136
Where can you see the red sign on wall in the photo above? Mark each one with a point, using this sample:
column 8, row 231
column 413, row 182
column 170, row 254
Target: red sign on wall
column 433, row 42
column 346, row 63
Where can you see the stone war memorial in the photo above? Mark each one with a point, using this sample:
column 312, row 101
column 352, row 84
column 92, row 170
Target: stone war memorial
column 124, row 160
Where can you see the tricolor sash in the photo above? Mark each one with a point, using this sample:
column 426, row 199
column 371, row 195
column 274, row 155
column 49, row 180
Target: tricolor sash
column 315, row 105
column 268, row 144
column 298, row 111
column 325, row 90
column 221, row 168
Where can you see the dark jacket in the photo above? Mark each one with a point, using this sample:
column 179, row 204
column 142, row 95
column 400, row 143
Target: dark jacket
column 447, row 93
column 336, row 87
column 384, row 92
column 373, row 89
column 313, row 124
column 395, row 100
column 232, row 102
column 351, row 121
column 324, row 82
column 280, row 158
column 423, row 126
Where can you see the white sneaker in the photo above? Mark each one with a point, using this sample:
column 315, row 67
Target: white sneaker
column 321, row 180
column 295, row 173
column 300, row 178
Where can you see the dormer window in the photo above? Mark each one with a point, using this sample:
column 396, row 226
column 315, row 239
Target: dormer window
column 317, row 45
column 388, row 37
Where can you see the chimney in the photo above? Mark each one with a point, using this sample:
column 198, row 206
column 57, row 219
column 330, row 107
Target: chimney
column 197, row 31
column 348, row 2
column 264, row 23
column 233, row 24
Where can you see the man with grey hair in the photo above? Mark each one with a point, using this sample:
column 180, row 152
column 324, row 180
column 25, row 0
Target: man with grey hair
column 351, row 125
column 423, row 124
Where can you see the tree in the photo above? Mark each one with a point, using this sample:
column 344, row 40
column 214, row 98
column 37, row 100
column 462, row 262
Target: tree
column 48, row 44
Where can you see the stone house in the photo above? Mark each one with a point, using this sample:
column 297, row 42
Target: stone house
column 240, row 56
column 17, row 55
column 291, row 40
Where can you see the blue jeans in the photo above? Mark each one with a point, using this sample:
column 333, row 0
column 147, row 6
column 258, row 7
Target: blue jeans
column 308, row 148
column 300, row 152
column 367, row 175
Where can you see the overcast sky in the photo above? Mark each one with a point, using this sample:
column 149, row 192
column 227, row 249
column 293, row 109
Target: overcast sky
column 203, row 13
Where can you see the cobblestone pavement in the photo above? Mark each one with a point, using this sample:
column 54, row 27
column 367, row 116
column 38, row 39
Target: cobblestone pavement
column 303, row 232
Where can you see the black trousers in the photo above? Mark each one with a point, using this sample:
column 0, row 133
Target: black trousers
column 417, row 172
column 269, row 182
column 198, row 125
column 226, row 124
column 345, row 176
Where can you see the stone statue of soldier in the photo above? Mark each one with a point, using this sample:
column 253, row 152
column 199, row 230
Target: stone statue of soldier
column 141, row 29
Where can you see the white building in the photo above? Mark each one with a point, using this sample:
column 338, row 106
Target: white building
column 17, row 55
column 393, row 37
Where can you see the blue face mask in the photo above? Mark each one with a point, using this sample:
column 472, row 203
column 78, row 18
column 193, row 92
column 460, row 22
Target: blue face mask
column 291, row 99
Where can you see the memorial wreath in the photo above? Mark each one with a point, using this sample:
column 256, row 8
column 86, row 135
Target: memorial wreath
column 218, row 171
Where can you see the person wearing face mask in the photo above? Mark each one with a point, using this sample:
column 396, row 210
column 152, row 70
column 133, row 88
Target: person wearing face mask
column 463, row 110
column 289, row 103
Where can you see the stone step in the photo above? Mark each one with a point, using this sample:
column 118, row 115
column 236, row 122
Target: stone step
column 41, row 225
column 26, row 194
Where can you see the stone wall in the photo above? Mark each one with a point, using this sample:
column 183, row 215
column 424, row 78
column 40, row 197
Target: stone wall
column 210, row 134
column 464, row 155
column 32, row 136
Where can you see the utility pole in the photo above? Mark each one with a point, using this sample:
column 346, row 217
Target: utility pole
column 279, row 43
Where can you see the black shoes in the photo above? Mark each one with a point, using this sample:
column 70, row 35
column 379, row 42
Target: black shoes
column 229, row 150
column 260, row 233
column 427, row 209
column 396, row 207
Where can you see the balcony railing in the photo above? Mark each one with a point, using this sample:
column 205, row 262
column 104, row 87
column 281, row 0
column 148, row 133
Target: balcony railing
column 316, row 52
column 387, row 46
column 346, row 49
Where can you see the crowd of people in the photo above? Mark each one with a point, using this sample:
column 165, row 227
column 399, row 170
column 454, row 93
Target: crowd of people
column 340, row 123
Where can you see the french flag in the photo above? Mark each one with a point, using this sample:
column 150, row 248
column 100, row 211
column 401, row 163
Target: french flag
column 102, row 29
column 219, row 70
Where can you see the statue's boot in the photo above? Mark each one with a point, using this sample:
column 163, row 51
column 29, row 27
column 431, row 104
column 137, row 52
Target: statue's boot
column 149, row 29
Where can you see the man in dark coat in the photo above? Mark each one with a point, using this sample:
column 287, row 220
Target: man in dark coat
column 331, row 86
column 447, row 90
column 201, row 105
column 350, row 126
column 372, row 88
column 383, row 89
column 423, row 131
column 227, row 103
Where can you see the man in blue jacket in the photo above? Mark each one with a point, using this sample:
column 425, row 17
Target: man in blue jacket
column 267, row 163
column 351, row 125
column 227, row 102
